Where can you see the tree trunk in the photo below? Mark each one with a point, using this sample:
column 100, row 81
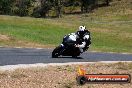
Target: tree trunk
column 58, row 11
column 107, row 2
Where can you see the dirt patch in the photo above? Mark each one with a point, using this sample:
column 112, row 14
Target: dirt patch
column 126, row 35
column 25, row 44
column 61, row 76
column 4, row 38
column 33, row 45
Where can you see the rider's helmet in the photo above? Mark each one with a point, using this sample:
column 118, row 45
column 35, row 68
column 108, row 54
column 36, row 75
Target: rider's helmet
column 81, row 31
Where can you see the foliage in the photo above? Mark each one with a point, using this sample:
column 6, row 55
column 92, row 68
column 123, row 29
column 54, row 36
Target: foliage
column 41, row 8
column 5, row 6
column 23, row 7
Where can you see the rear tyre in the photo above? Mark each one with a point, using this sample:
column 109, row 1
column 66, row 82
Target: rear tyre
column 74, row 56
column 76, row 53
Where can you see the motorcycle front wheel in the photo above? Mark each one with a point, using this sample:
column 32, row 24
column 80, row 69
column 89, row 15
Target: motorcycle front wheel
column 56, row 52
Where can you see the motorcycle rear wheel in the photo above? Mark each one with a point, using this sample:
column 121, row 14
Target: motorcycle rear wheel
column 74, row 56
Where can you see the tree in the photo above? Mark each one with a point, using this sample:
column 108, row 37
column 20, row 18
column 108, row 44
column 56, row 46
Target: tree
column 5, row 6
column 43, row 8
column 58, row 4
column 87, row 5
column 22, row 7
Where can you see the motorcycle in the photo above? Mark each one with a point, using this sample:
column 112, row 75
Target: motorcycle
column 67, row 48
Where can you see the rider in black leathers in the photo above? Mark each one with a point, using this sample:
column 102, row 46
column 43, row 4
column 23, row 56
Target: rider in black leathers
column 82, row 37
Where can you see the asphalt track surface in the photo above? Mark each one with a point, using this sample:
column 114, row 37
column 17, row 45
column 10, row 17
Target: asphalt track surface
column 14, row 56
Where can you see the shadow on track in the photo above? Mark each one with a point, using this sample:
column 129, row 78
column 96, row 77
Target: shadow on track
column 70, row 57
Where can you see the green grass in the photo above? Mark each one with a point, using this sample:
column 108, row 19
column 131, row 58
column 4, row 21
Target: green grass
column 32, row 30
column 111, row 28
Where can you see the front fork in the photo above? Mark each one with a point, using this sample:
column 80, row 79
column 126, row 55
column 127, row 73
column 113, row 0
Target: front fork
column 62, row 49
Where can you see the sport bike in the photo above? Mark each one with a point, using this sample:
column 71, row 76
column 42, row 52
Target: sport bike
column 67, row 48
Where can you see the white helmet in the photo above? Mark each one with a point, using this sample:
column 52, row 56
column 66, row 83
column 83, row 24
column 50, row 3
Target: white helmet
column 81, row 31
column 82, row 28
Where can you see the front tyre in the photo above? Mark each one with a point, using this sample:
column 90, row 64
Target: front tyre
column 56, row 52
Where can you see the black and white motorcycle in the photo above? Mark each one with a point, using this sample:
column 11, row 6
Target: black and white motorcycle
column 67, row 48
